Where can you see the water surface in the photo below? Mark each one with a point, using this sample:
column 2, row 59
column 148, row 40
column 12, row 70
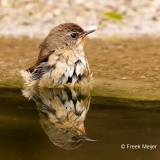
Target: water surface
column 121, row 69
column 111, row 121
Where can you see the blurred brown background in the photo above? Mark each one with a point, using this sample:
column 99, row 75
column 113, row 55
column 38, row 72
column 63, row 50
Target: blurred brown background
column 114, row 17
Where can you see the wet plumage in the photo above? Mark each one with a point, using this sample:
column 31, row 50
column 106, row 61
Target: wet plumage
column 61, row 59
column 62, row 113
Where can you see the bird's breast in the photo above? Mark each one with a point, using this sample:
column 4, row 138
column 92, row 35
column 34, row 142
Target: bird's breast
column 68, row 67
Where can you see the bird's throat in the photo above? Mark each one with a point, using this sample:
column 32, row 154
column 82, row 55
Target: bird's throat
column 83, row 39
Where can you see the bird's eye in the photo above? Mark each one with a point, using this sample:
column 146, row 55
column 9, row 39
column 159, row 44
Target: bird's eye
column 73, row 35
column 74, row 138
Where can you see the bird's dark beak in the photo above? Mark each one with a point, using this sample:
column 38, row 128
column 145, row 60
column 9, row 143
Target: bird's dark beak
column 88, row 139
column 86, row 32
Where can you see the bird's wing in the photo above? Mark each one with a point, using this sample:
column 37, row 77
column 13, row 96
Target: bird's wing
column 43, row 57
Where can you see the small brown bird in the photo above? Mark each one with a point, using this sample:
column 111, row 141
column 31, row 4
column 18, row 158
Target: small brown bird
column 62, row 114
column 61, row 59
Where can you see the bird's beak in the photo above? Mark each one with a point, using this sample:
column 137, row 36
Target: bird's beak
column 83, row 130
column 86, row 32
column 84, row 134
column 88, row 139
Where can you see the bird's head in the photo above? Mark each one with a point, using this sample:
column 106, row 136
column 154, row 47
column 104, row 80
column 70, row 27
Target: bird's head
column 67, row 35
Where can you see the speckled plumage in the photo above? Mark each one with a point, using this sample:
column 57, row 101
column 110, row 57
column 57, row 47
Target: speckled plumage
column 62, row 114
column 61, row 59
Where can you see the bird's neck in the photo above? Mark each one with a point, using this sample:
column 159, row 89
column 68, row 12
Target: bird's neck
column 73, row 54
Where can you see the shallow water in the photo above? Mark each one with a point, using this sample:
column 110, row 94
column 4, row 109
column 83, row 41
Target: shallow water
column 111, row 121
column 122, row 68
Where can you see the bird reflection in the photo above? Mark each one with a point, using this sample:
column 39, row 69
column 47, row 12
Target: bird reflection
column 62, row 114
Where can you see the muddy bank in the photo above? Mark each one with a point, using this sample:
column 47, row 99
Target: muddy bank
column 121, row 68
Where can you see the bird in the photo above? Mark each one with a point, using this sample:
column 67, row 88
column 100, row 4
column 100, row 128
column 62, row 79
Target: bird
column 61, row 60
column 62, row 113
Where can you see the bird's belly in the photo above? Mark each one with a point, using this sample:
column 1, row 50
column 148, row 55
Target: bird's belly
column 65, row 73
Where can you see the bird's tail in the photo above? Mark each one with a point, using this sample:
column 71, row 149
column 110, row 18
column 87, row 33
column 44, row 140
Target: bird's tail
column 27, row 77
